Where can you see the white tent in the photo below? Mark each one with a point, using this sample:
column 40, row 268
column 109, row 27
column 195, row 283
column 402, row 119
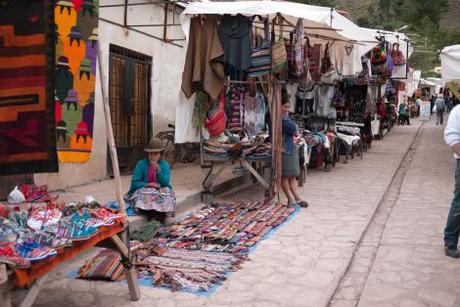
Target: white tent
column 450, row 62
column 321, row 21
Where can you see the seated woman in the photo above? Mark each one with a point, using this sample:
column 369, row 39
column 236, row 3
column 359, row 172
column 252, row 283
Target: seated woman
column 150, row 192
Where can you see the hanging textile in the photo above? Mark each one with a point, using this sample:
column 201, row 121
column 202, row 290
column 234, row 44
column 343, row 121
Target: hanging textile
column 27, row 131
column 276, row 136
column 76, row 26
column 236, row 120
column 203, row 67
column 234, row 35
column 254, row 113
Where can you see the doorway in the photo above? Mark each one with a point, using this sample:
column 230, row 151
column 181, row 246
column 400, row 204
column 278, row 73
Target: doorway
column 129, row 96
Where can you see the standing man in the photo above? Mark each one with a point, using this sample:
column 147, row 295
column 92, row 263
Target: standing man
column 440, row 108
column 452, row 230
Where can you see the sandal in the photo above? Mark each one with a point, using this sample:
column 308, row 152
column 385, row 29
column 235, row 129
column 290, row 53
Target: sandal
column 302, row 203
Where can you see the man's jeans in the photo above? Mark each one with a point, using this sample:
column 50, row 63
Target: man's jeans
column 452, row 229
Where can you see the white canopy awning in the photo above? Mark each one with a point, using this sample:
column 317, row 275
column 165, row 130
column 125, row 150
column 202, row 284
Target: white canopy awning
column 321, row 21
column 427, row 83
column 450, row 63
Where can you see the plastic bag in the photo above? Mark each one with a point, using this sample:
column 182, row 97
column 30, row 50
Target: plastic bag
column 16, row 196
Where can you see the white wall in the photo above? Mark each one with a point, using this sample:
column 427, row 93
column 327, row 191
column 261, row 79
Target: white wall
column 167, row 64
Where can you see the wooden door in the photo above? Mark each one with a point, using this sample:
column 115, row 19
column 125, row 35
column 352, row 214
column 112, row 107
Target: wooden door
column 129, row 96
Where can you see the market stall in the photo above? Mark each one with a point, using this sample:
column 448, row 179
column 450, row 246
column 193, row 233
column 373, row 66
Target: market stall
column 255, row 55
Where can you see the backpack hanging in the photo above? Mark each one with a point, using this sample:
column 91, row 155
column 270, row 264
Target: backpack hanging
column 398, row 56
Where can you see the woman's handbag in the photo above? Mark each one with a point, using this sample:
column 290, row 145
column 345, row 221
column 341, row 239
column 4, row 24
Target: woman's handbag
column 398, row 56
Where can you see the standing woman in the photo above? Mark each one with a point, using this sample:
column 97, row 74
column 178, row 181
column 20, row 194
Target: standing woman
column 150, row 192
column 290, row 168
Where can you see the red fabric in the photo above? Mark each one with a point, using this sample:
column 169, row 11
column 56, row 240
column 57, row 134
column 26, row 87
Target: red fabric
column 152, row 176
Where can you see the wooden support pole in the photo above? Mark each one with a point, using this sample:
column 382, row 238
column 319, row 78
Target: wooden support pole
column 110, row 138
column 131, row 275
column 124, row 249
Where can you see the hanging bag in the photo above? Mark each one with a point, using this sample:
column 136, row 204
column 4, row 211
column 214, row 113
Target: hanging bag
column 313, row 55
column 326, row 64
column 398, row 56
column 279, row 55
column 216, row 119
column 296, row 50
column 261, row 56
column 389, row 63
column 378, row 56
column 363, row 76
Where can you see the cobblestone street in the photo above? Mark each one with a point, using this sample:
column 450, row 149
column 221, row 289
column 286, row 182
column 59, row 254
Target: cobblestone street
column 372, row 236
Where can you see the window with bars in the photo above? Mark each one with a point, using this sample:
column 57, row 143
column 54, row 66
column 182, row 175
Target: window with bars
column 129, row 96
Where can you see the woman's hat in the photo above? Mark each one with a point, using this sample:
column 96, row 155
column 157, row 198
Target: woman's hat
column 155, row 145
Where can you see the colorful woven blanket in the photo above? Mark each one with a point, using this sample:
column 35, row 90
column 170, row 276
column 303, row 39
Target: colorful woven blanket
column 27, row 141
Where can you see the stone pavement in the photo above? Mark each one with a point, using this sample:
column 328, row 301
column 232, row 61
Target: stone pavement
column 305, row 262
column 410, row 268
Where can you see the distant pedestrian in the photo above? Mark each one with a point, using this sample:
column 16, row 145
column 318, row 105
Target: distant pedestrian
column 440, row 108
column 432, row 100
column 452, row 230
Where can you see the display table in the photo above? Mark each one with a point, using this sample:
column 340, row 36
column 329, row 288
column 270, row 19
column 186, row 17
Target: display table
column 35, row 276
column 213, row 165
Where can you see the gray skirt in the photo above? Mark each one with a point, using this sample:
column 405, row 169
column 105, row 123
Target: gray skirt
column 290, row 164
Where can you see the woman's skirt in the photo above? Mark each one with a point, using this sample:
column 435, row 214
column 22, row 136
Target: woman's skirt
column 290, row 164
column 161, row 200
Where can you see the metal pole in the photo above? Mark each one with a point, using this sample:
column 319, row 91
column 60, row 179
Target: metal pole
column 125, row 19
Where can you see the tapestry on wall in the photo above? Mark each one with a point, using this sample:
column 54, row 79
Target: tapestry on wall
column 76, row 35
column 27, row 131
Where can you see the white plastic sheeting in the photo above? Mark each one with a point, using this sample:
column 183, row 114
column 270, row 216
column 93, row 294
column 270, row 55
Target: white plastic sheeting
column 450, row 63
column 321, row 21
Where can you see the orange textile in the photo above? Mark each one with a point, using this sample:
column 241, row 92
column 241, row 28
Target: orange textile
column 24, row 277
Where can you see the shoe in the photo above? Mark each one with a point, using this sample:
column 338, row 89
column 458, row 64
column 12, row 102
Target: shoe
column 33, row 251
column 452, row 252
column 302, row 203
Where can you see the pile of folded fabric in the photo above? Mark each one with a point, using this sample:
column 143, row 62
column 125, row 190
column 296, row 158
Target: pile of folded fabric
column 33, row 232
